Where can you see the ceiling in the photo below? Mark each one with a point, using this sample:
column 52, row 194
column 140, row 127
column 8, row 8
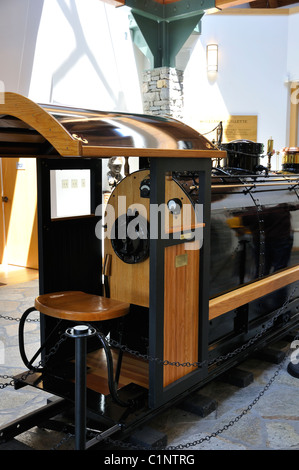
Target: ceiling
column 271, row 3
column 255, row 4
column 224, row 3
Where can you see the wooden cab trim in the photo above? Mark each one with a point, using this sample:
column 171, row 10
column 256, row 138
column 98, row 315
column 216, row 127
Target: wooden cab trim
column 74, row 132
column 93, row 151
column 40, row 120
column 232, row 300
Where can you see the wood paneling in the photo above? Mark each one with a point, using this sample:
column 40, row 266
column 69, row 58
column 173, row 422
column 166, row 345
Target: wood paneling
column 40, row 120
column 133, row 370
column 19, row 224
column 228, row 3
column 293, row 136
column 106, row 152
column 181, row 302
column 128, row 282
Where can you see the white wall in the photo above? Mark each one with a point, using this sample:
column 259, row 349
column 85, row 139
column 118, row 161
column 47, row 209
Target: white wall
column 19, row 23
column 84, row 57
column 251, row 74
column 293, row 43
column 80, row 52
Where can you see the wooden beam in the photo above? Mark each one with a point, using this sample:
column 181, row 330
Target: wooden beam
column 234, row 299
column 115, row 3
column 107, row 152
column 293, row 140
column 271, row 3
column 44, row 123
column 221, row 4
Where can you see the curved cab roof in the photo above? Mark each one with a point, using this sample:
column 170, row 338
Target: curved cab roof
column 30, row 129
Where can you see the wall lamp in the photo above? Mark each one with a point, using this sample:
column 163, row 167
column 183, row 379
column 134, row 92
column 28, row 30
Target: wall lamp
column 212, row 57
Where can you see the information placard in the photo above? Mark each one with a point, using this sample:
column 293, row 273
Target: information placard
column 234, row 128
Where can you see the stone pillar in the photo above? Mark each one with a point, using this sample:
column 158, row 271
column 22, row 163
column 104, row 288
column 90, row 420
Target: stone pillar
column 162, row 91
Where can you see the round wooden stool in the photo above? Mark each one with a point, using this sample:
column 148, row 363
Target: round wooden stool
column 78, row 306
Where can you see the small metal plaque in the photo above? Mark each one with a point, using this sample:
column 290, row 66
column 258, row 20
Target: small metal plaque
column 181, row 260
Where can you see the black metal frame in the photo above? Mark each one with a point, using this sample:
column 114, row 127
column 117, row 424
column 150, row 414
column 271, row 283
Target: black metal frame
column 61, row 269
column 150, row 402
column 84, row 274
column 70, row 255
column 158, row 394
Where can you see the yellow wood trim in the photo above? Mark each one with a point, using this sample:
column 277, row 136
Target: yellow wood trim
column 293, row 10
column 181, row 312
column 228, row 3
column 107, row 152
column 44, row 123
column 243, row 295
column 114, row 3
column 293, row 140
column 128, row 282
column 224, row 10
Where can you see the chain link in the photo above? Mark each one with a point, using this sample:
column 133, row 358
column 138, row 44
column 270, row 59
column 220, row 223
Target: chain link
column 5, row 377
column 41, row 363
column 217, row 360
column 232, row 421
column 208, row 437
column 6, row 317
column 65, row 439
column 135, row 353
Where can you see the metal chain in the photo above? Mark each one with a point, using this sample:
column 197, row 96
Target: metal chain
column 112, row 342
column 6, row 317
column 41, row 363
column 232, row 421
column 217, row 360
column 208, row 437
column 67, row 437
column 187, row 445
column 11, row 383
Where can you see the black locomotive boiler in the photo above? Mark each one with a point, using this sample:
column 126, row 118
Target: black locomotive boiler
column 168, row 302
column 253, row 234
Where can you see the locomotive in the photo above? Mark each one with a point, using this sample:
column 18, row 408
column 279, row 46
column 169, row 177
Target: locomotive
column 253, row 230
column 200, row 244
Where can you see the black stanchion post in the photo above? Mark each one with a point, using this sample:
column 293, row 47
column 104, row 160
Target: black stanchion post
column 80, row 334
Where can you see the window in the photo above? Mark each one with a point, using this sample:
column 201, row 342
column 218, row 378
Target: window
column 70, row 193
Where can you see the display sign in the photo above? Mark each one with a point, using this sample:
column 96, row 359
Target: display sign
column 234, row 128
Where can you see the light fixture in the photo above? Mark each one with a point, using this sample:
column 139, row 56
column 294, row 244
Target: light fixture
column 212, row 57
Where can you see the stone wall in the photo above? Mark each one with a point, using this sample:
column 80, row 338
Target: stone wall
column 162, row 91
